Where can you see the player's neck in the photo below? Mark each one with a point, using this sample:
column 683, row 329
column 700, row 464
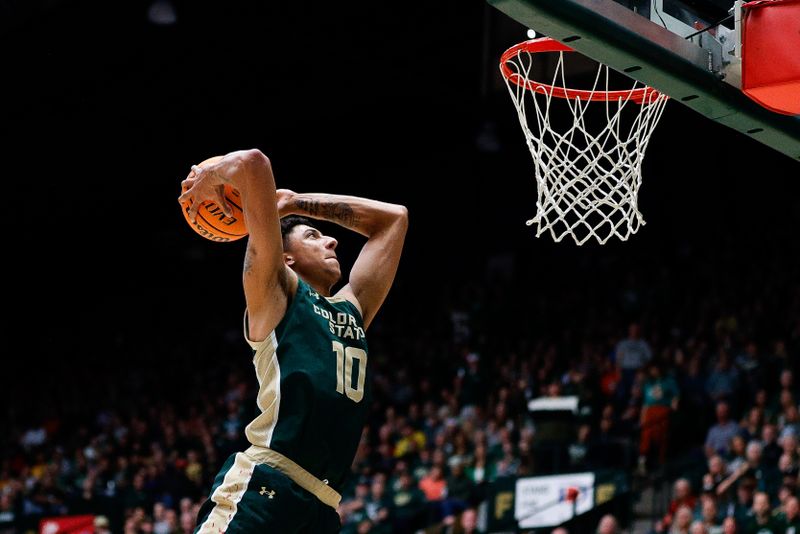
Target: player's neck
column 320, row 287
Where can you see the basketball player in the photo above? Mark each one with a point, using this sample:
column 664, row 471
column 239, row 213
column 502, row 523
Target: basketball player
column 309, row 346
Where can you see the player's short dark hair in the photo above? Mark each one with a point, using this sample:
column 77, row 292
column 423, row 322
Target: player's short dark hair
column 289, row 222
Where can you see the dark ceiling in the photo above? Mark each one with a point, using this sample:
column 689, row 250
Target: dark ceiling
column 104, row 112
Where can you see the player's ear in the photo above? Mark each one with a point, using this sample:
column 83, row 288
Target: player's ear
column 288, row 259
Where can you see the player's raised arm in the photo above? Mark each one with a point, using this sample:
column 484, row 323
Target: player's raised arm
column 266, row 279
column 383, row 224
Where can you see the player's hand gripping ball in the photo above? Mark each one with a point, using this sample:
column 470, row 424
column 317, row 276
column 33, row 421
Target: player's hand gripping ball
column 211, row 221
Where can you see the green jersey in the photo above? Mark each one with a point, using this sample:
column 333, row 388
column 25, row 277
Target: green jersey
column 314, row 389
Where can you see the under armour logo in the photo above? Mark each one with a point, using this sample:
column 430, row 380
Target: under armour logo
column 264, row 491
column 313, row 293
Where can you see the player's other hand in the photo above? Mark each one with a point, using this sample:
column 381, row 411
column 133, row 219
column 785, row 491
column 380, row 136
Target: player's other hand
column 285, row 199
column 201, row 185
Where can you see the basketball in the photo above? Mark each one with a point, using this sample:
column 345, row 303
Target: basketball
column 211, row 222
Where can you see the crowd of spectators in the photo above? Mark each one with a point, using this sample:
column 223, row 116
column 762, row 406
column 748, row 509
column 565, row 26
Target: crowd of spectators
column 664, row 365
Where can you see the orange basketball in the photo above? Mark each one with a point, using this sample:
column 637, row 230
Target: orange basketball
column 211, row 222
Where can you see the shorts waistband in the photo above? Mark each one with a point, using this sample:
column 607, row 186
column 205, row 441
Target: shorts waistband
column 300, row 476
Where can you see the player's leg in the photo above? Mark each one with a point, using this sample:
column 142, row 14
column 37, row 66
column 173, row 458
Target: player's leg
column 250, row 497
column 209, row 504
column 326, row 519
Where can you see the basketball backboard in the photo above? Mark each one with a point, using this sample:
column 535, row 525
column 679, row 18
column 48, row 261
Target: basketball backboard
column 660, row 43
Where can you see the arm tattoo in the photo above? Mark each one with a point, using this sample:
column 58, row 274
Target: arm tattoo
column 338, row 212
column 249, row 258
column 309, row 206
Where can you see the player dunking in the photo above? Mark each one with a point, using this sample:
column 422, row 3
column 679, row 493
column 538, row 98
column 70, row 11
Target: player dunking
column 309, row 348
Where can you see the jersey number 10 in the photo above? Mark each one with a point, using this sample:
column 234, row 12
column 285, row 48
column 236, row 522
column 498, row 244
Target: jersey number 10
column 344, row 371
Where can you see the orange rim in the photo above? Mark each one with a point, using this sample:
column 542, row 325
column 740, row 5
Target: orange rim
column 546, row 44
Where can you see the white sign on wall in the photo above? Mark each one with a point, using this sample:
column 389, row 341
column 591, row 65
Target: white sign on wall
column 543, row 501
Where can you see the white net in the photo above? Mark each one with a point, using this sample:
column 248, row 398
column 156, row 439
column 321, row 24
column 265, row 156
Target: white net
column 588, row 167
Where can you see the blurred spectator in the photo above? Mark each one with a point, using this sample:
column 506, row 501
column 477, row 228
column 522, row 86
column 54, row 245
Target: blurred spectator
column 480, row 470
column 737, row 453
column 761, row 521
column 740, row 508
column 770, row 450
column 723, row 381
column 409, row 503
column 749, row 363
column 608, row 525
column 682, row 520
column 720, row 434
column 411, row 440
column 790, row 517
column 729, row 526
column 434, row 485
column 631, row 354
column 682, row 497
column 459, row 489
column 660, row 398
column 717, row 472
column 471, row 389
column 709, row 515
column 579, row 449
column 751, row 424
column 101, row 525
column 465, row 523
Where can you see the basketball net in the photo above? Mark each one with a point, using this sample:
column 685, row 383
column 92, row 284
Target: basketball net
column 588, row 173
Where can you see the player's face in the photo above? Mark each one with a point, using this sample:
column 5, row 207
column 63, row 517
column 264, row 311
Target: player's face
column 313, row 255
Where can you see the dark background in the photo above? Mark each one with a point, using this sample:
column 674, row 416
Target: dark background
column 104, row 112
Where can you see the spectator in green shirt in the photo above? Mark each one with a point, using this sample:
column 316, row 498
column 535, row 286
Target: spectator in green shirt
column 761, row 521
column 790, row 517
